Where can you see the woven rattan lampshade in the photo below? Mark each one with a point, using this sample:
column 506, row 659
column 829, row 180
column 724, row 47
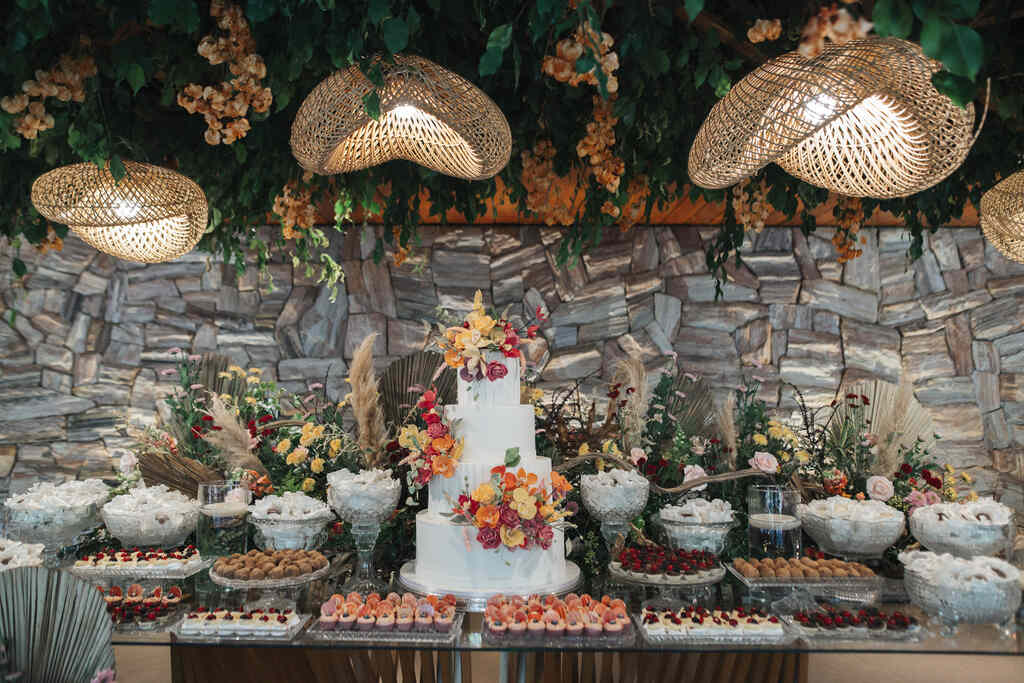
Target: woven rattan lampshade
column 428, row 115
column 1002, row 216
column 152, row 215
column 862, row 119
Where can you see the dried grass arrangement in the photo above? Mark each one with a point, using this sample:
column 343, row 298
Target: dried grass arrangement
column 175, row 471
column 1002, row 216
column 428, row 115
column 632, row 411
column 152, row 214
column 366, row 406
column 232, row 439
column 861, row 119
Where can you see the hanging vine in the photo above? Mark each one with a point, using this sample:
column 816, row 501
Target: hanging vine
column 603, row 98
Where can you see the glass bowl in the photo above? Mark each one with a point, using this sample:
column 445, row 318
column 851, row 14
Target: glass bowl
column 619, row 503
column 55, row 527
column 992, row 602
column 363, row 505
column 709, row 536
column 153, row 528
column 275, row 533
column 852, row 539
column 963, row 538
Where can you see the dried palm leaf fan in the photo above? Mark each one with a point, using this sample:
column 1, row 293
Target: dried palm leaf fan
column 423, row 369
column 153, row 214
column 55, row 625
column 428, row 115
column 861, row 119
column 1002, row 216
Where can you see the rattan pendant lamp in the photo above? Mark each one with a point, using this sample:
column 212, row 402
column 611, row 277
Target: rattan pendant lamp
column 1002, row 216
column 153, row 214
column 861, row 119
column 428, row 115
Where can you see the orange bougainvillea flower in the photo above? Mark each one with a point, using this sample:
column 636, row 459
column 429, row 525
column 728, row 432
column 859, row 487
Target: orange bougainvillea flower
column 509, row 481
column 443, row 443
column 560, row 483
column 487, row 515
column 443, row 465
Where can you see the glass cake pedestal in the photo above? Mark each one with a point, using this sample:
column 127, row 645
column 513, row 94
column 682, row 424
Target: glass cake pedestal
column 475, row 600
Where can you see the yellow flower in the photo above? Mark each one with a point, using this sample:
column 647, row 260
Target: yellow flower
column 774, row 423
column 546, row 511
column 521, row 495
column 967, row 478
column 775, row 432
column 537, row 394
column 297, row 457
column 949, row 468
column 526, row 510
column 972, row 496
column 236, row 369
column 760, row 439
column 513, row 538
column 456, row 452
column 409, row 437
column 306, row 438
column 308, row 484
column 483, row 494
column 784, row 456
column 283, row 446
column 255, row 371
column 224, row 375
column 318, row 431
column 583, row 449
column 251, row 401
column 538, row 411
column 307, row 427
column 335, row 446
column 227, row 398
column 609, row 446
column 803, row 456
column 316, row 465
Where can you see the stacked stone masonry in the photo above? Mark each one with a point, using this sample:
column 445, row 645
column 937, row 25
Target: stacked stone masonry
column 85, row 341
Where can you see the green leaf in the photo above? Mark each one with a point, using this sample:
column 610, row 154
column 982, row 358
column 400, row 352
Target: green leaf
column 135, row 77
column 512, row 457
column 693, row 8
column 958, row 47
column 497, row 43
column 957, row 88
column 259, row 11
column 371, row 102
column 378, row 11
column 395, row 33
column 893, row 18
column 117, row 168
column 181, row 14
column 19, row 268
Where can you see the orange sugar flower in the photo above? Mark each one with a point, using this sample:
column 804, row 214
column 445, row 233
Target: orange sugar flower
column 560, row 483
column 487, row 515
column 509, row 481
column 546, row 511
column 453, row 358
column 443, row 443
column 443, row 465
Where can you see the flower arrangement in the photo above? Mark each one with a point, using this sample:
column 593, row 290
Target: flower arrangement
column 764, row 443
column 514, row 509
column 303, row 455
column 431, row 450
column 464, row 345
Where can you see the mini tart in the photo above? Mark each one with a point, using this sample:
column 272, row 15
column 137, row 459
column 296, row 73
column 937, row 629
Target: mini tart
column 424, row 622
column 386, row 622
column 443, row 622
column 365, row 623
column 555, row 628
column 516, row 628
column 328, row 621
column 346, row 621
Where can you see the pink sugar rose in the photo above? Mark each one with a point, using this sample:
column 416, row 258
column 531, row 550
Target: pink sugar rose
column 488, row 537
column 691, row 472
column 508, row 517
column 880, row 488
column 545, row 536
column 436, row 430
column 496, row 370
column 932, row 498
column 764, row 462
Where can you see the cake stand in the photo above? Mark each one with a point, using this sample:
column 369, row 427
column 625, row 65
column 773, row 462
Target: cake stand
column 476, row 600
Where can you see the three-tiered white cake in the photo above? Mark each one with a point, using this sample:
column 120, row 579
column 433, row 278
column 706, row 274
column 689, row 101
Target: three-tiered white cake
column 491, row 420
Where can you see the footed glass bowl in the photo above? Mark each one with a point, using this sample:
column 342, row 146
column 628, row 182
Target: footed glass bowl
column 963, row 538
column 993, row 602
column 709, row 536
column 274, row 533
column 613, row 503
column 55, row 528
column 151, row 529
column 852, row 539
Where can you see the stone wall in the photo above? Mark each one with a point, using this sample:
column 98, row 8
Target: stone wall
column 87, row 337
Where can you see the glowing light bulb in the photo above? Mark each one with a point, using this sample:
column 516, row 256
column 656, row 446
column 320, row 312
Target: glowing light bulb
column 820, row 108
column 126, row 208
column 406, row 111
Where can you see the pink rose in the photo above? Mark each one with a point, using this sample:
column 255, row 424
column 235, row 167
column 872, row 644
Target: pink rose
column 880, row 488
column 508, row 517
column 636, row 454
column 545, row 536
column 488, row 537
column 764, row 462
column 932, row 498
column 436, row 430
column 916, row 499
column 496, row 370
column 691, row 472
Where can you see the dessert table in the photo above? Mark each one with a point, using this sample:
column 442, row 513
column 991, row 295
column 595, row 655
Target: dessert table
column 634, row 659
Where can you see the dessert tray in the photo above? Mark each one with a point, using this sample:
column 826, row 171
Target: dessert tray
column 376, row 635
column 863, row 587
column 136, row 609
column 134, row 565
column 829, row 623
column 663, row 625
column 392, row 619
column 576, row 621
column 705, row 578
column 224, row 626
column 287, row 582
column 653, row 565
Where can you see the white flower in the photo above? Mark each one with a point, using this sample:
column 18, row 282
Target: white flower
column 691, row 472
column 880, row 488
column 128, row 463
column 636, row 454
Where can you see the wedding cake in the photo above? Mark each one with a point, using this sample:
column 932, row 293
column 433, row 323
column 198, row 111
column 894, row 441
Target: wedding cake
column 449, row 557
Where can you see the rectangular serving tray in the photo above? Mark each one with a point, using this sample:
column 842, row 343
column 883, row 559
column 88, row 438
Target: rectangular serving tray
column 129, row 572
column 449, row 637
column 289, row 634
column 815, row 634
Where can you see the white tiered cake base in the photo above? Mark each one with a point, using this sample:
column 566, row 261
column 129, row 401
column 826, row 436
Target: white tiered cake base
column 449, row 560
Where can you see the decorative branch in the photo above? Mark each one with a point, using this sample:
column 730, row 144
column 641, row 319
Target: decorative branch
column 685, row 486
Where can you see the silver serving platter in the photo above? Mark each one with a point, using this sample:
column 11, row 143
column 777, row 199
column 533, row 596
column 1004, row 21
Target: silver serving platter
column 913, row 632
column 855, row 589
column 289, row 634
column 727, row 637
column 449, row 637
column 476, row 600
